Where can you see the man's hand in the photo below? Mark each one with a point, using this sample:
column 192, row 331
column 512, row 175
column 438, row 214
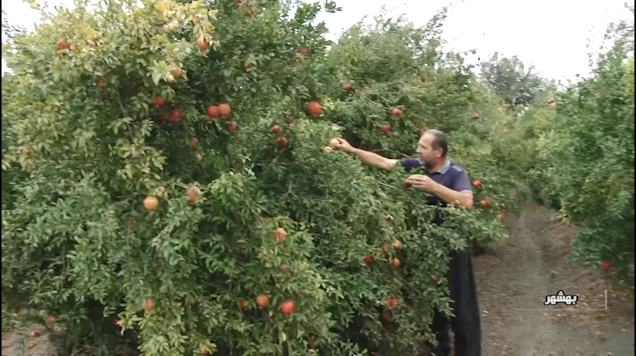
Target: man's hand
column 370, row 158
column 423, row 182
column 345, row 146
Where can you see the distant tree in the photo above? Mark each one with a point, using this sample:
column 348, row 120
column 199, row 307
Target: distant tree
column 508, row 78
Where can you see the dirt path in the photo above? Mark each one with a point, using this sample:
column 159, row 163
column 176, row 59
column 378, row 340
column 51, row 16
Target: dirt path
column 529, row 266
column 20, row 342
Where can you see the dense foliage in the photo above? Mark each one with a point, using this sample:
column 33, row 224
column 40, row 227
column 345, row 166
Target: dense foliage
column 167, row 188
column 586, row 157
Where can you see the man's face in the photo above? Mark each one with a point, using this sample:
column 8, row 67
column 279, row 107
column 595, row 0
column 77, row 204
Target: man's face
column 425, row 151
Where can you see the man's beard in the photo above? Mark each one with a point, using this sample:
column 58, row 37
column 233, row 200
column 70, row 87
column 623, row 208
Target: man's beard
column 428, row 164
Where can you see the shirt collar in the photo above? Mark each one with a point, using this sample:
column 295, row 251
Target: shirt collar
column 445, row 167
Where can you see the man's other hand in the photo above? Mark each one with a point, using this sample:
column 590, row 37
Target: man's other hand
column 423, row 182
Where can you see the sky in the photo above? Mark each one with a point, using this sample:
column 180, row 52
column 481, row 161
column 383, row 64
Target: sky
column 551, row 35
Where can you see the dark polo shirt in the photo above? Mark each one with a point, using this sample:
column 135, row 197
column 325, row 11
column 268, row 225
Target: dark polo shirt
column 451, row 175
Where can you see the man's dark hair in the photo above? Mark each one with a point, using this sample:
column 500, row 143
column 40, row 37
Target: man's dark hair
column 439, row 140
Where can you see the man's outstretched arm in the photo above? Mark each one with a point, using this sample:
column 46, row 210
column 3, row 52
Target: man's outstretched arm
column 370, row 158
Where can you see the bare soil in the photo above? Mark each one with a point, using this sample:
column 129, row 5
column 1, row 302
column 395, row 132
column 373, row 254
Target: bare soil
column 517, row 274
column 19, row 342
column 530, row 265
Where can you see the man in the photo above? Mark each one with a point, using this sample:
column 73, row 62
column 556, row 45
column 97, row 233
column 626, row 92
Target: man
column 448, row 183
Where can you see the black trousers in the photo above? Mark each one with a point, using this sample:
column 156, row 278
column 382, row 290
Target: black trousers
column 466, row 323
